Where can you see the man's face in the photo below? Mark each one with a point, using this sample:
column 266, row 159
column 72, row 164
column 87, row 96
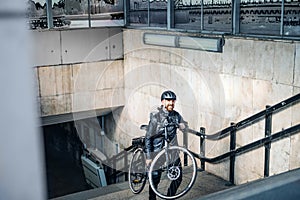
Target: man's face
column 168, row 104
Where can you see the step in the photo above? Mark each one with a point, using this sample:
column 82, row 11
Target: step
column 206, row 183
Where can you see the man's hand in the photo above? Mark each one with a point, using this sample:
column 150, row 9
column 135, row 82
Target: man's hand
column 148, row 162
column 181, row 126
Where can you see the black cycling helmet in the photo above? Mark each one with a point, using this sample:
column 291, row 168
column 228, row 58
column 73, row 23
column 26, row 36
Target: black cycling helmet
column 169, row 95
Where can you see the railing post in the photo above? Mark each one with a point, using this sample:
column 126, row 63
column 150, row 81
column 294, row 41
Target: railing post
column 268, row 130
column 232, row 157
column 185, row 143
column 202, row 147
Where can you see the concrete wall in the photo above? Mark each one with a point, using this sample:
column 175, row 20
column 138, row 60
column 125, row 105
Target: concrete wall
column 100, row 69
column 78, row 70
column 79, row 76
column 80, row 87
column 213, row 90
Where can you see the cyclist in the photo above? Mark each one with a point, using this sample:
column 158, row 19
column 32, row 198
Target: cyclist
column 158, row 120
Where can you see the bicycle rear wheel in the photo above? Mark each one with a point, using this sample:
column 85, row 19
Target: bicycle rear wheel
column 176, row 179
column 137, row 171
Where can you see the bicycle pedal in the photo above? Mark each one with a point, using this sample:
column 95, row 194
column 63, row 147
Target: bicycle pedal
column 136, row 181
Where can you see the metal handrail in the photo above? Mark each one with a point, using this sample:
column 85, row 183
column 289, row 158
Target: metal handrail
column 246, row 148
column 250, row 120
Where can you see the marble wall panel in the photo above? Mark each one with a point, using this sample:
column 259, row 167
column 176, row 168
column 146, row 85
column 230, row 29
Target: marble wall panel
column 74, row 88
column 263, row 52
column 47, row 81
column 284, row 62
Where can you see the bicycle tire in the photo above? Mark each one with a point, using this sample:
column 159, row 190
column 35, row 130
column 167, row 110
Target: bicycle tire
column 137, row 171
column 174, row 174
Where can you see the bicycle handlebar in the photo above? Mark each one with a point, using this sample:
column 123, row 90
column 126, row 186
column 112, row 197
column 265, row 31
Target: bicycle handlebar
column 144, row 127
column 165, row 125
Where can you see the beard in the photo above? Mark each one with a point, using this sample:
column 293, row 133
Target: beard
column 170, row 107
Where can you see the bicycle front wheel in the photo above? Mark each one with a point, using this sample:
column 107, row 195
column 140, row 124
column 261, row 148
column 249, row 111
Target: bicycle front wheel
column 137, row 171
column 169, row 177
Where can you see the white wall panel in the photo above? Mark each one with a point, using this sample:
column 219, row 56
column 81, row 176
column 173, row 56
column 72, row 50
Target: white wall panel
column 46, row 48
column 85, row 45
column 76, row 46
column 116, row 43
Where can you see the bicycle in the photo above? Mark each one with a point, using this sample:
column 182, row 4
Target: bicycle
column 167, row 162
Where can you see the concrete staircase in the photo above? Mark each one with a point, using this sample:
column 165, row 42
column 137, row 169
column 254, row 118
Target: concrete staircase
column 205, row 184
column 208, row 187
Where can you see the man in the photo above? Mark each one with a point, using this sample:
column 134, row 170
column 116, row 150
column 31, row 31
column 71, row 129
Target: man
column 158, row 120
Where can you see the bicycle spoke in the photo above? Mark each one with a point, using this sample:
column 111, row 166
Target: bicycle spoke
column 137, row 173
column 176, row 179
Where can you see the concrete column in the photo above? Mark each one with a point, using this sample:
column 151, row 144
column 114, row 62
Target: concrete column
column 22, row 174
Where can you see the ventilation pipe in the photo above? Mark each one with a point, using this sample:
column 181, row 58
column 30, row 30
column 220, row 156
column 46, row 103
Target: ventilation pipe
column 102, row 126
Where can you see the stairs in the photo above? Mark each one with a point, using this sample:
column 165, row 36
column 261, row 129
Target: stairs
column 205, row 184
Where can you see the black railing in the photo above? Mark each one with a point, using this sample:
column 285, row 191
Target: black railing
column 230, row 131
column 235, row 127
column 252, row 119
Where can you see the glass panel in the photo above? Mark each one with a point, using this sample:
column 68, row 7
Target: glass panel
column 66, row 13
column 258, row 17
column 217, row 15
column 188, row 15
column 36, row 14
column 158, row 13
column 107, row 13
column 291, row 21
column 71, row 13
column 138, row 12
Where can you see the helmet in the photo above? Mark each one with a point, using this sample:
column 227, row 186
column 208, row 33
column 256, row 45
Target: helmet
column 169, row 95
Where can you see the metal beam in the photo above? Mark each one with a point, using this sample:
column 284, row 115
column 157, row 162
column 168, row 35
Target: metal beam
column 126, row 12
column 170, row 15
column 49, row 14
column 236, row 16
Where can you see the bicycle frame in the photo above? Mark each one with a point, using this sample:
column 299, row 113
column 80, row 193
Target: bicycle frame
column 167, row 145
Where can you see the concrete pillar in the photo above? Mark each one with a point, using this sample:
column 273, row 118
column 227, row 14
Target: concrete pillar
column 21, row 151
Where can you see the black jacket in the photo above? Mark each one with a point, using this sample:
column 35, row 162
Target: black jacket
column 154, row 139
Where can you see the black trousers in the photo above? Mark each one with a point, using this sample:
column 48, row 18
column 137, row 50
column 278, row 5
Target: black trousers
column 156, row 175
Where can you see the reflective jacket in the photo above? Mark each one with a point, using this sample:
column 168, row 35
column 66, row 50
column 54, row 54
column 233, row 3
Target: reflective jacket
column 154, row 139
